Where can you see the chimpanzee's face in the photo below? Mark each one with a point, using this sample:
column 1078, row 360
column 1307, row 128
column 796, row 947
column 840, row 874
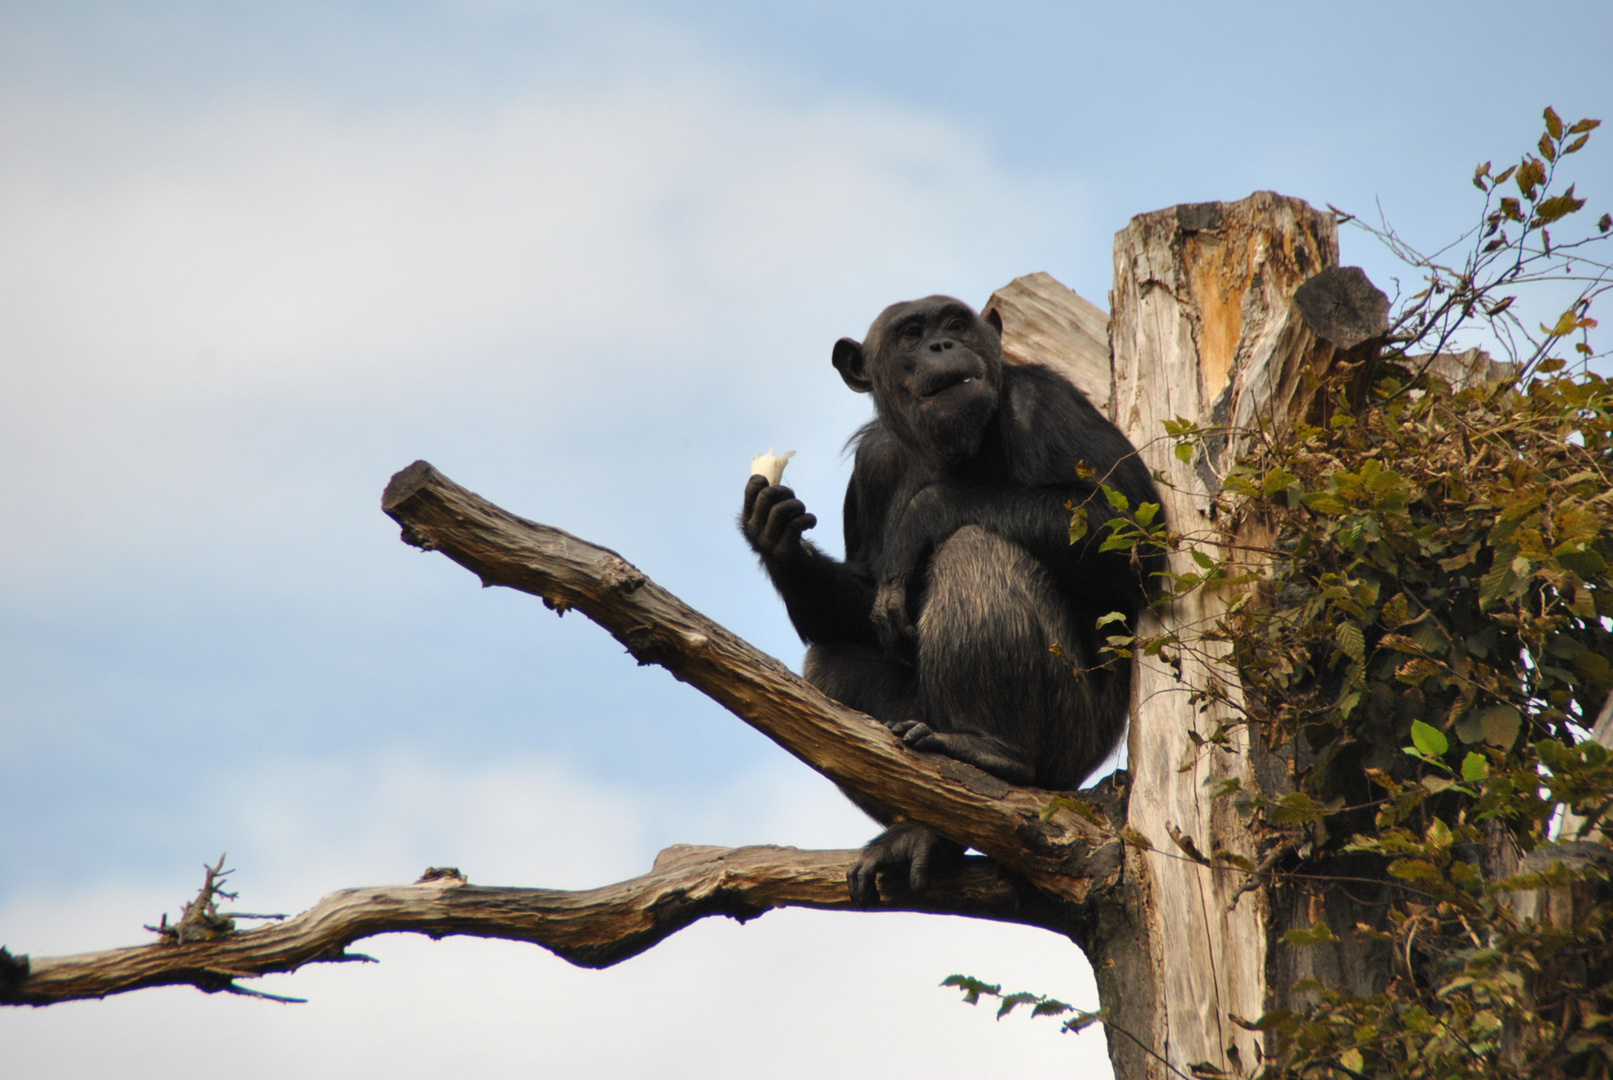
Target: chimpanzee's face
column 935, row 370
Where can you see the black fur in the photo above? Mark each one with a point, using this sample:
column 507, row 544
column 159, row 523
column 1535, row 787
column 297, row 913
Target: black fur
column 959, row 573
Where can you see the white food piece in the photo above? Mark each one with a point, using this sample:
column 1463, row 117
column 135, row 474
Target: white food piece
column 771, row 465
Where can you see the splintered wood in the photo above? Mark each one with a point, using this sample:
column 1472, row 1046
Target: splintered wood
column 1046, row 323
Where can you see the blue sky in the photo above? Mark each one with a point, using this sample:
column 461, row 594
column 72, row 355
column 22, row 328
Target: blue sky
column 587, row 260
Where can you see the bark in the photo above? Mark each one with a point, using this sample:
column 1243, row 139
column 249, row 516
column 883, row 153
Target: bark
column 1051, row 858
column 1061, row 851
column 593, row 928
column 1205, row 328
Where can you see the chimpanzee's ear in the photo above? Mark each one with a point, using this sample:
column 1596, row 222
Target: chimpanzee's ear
column 850, row 362
column 994, row 319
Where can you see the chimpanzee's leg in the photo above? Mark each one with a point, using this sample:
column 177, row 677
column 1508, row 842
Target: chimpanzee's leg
column 991, row 687
column 992, row 691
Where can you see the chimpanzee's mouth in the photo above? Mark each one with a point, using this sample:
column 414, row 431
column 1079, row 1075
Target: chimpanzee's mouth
column 942, row 383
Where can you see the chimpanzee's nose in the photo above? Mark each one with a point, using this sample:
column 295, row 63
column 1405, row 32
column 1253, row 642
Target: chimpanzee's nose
column 937, row 346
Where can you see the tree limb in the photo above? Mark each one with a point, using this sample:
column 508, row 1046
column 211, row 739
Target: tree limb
column 1048, row 853
column 1065, row 855
column 593, row 928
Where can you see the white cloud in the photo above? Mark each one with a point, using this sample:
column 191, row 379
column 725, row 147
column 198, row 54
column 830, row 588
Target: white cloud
column 183, row 286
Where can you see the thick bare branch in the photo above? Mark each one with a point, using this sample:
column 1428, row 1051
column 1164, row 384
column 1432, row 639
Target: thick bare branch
column 594, row 928
column 1061, row 855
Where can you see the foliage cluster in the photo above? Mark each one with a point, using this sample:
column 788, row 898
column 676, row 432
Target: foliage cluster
column 1429, row 641
column 1424, row 582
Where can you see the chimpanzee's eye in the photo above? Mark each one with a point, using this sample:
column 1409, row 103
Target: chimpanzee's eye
column 957, row 325
column 910, row 334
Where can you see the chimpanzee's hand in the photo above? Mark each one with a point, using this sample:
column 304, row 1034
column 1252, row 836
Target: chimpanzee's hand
column 891, row 624
column 773, row 520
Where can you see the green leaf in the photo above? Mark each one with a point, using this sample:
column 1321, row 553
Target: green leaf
column 1567, row 322
column 1117, row 498
column 1082, row 1020
column 1416, row 671
column 1014, row 1001
column 1146, row 512
column 1594, row 666
column 1318, row 933
column 1494, row 584
column 1475, row 766
column 1500, row 725
column 1276, row 480
column 972, row 987
column 1557, row 207
column 1296, row 808
column 1429, row 739
column 1325, row 502
column 1348, row 636
column 1352, row 1060
column 1184, row 453
column 1416, row 870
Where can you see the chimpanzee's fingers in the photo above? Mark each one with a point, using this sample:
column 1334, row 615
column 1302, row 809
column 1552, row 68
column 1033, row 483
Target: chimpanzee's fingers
column 761, row 509
column 918, row 871
column 753, row 487
column 766, row 500
column 779, row 520
column 918, row 737
column 799, row 526
column 862, row 881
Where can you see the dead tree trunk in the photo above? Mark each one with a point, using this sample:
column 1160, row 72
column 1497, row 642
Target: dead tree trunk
column 1205, row 328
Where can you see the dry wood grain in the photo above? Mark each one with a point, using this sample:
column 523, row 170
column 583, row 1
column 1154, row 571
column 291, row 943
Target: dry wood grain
column 592, row 928
column 1046, row 322
column 1204, row 328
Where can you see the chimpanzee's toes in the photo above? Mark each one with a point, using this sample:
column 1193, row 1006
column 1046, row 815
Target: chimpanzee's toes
column 909, row 854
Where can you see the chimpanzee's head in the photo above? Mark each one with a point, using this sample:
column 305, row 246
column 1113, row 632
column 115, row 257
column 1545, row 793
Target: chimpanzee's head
column 935, row 370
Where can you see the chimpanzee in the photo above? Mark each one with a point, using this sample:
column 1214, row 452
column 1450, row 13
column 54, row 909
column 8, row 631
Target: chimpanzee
column 963, row 618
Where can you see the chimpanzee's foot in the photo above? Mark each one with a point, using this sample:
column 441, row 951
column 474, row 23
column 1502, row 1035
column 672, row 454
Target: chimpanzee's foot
column 910, row 852
column 983, row 752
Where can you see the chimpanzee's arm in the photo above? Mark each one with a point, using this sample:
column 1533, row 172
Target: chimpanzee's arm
column 828, row 601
